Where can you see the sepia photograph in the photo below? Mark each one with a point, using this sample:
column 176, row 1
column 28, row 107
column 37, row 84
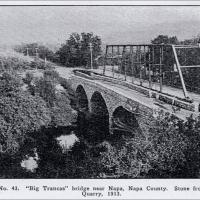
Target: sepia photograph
column 99, row 91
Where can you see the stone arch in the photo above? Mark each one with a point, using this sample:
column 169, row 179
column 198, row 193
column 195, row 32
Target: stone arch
column 99, row 113
column 124, row 121
column 98, row 104
column 82, row 99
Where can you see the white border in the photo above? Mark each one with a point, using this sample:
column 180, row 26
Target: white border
column 68, row 194
column 22, row 183
column 114, row 3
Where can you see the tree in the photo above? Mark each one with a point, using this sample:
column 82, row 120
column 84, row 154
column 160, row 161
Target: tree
column 85, row 51
column 76, row 51
column 164, row 39
column 69, row 53
column 168, row 59
column 45, row 52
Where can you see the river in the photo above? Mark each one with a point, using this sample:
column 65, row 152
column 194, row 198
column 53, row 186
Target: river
column 66, row 152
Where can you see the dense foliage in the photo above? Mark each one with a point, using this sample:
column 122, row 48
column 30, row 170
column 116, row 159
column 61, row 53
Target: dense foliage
column 76, row 51
column 169, row 149
column 20, row 113
column 40, row 64
column 27, row 104
column 13, row 62
column 56, row 97
column 165, row 39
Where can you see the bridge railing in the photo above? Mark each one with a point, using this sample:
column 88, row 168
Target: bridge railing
column 155, row 66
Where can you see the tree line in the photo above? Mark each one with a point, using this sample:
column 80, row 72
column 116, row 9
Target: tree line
column 75, row 52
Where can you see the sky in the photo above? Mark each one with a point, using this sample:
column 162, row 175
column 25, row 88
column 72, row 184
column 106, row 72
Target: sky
column 114, row 24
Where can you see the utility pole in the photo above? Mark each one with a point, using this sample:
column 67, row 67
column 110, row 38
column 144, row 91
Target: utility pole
column 36, row 52
column 36, row 55
column 91, row 62
column 45, row 61
column 27, row 54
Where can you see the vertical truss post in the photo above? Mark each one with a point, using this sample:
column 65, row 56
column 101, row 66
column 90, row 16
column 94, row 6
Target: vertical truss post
column 161, row 62
column 131, row 61
column 112, row 62
column 134, row 66
column 105, row 59
column 153, row 61
column 180, row 72
column 185, row 57
column 171, row 68
column 118, row 59
column 140, row 65
column 121, row 61
column 149, row 62
column 125, row 65
column 137, row 59
column 145, row 64
column 123, row 52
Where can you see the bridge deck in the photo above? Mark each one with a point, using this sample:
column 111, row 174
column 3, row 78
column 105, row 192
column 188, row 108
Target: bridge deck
column 141, row 98
column 165, row 89
column 129, row 93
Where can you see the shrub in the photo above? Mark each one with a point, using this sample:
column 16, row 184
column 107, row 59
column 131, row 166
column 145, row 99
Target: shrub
column 45, row 88
column 191, row 129
column 52, row 75
column 57, row 101
column 65, row 84
column 169, row 145
column 62, row 113
column 28, row 78
column 9, row 82
column 20, row 114
column 11, row 63
column 40, row 64
column 120, row 162
column 169, row 149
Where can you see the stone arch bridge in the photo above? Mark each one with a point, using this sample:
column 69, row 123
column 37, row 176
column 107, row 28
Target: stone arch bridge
column 120, row 102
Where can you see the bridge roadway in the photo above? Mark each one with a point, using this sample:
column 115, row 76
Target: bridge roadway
column 156, row 86
column 153, row 103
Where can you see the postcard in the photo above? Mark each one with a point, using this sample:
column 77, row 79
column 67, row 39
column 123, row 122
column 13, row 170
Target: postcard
column 100, row 100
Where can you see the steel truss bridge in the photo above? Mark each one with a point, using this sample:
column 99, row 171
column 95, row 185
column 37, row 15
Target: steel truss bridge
column 155, row 66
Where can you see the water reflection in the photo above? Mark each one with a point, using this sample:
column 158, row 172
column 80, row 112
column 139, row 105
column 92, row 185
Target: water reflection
column 68, row 151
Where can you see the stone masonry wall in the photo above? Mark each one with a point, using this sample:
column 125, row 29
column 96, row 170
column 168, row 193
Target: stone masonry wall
column 114, row 100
